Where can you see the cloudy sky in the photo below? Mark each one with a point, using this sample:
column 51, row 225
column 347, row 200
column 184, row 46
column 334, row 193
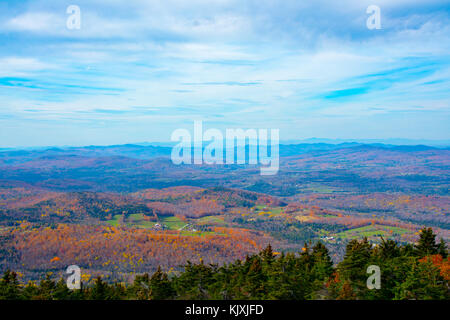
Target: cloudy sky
column 137, row 70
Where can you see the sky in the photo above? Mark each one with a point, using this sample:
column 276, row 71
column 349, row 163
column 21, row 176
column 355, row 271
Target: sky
column 137, row 70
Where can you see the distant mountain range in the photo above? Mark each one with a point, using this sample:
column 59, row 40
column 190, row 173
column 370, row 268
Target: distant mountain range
column 393, row 141
column 311, row 141
column 142, row 152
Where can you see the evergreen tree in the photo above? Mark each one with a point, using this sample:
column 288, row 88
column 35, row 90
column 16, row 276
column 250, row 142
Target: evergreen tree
column 267, row 255
column 309, row 275
column 141, row 287
column 352, row 270
column 423, row 282
column 194, row 281
column 427, row 243
column 322, row 263
column 46, row 288
column 355, row 262
column 254, row 285
column 442, row 249
column 9, row 286
column 100, row 290
column 160, row 286
column 61, row 291
column 388, row 249
column 30, row 291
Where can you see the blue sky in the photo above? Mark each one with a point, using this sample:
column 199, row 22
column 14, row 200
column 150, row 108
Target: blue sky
column 137, row 70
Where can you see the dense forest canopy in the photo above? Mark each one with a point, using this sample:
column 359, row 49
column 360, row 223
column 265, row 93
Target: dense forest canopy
column 421, row 271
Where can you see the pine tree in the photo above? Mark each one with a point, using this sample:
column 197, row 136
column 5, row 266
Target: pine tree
column 267, row 255
column 61, row 291
column 353, row 267
column 46, row 288
column 322, row 263
column 100, row 290
column 423, row 282
column 141, row 287
column 427, row 243
column 160, row 286
column 30, row 291
column 194, row 281
column 9, row 286
column 388, row 249
column 255, row 279
column 442, row 249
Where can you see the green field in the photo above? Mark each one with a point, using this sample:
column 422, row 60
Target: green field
column 324, row 215
column 134, row 220
column 210, row 220
column 196, row 233
column 173, row 223
column 370, row 232
column 319, row 188
column 114, row 221
column 272, row 210
column 137, row 221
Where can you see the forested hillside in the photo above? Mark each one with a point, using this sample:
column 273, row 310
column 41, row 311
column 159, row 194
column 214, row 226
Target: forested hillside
column 124, row 210
column 407, row 272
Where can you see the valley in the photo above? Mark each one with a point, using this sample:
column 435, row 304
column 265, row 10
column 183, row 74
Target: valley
column 122, row 210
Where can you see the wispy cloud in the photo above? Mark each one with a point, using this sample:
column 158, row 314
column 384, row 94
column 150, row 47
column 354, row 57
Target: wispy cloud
column 310, row 68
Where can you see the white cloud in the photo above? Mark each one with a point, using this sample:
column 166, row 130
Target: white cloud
column 41, row 22
column 292, row 52
column 19, row 66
